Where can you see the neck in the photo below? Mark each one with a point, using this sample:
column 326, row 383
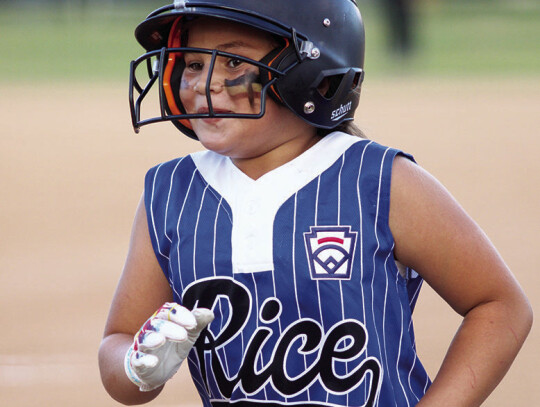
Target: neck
column 256, row 167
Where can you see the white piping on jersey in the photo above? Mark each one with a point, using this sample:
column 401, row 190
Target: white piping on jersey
column 215, row 230
column 254, row 203
column 178, row 225
column 196, row 230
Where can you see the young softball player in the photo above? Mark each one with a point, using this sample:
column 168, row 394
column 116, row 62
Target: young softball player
column 284, row 261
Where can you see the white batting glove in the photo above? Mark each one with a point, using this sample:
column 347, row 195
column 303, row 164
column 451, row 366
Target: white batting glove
column 162, row 344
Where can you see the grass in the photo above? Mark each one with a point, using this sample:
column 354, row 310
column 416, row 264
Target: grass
column 454, row 38
column 464, row 38
column 59, row 44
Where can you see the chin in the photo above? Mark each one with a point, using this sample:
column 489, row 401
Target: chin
column 216, row 143
column 218, row 140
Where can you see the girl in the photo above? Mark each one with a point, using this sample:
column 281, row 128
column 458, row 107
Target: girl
column 282, row 262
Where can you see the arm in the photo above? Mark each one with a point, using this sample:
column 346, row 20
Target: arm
column 435, row 237
column 142, row 289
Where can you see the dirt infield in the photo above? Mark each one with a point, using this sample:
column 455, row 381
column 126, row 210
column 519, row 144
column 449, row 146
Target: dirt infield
column 72, row 173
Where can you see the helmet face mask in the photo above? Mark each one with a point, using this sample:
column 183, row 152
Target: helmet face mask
column 172, row 83
column 316, row 72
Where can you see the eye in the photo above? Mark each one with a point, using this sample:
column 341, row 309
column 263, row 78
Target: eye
column 194, row 66
column 234, row 63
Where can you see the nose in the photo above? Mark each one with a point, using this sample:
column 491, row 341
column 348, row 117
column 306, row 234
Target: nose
column 202, row 80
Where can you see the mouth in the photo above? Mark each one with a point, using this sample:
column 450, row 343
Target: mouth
column 205, row 110
column 211, row 120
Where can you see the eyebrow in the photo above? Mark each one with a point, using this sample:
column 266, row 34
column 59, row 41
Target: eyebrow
column 228, row 46
column 233, row 44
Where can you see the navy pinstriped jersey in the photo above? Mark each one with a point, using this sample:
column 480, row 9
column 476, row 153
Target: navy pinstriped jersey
column 311, row 308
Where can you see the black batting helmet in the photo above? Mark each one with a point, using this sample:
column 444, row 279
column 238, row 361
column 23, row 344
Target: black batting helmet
column 323, row 42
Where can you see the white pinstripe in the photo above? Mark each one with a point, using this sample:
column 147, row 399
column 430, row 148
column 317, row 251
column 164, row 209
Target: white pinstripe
column 397, row 360
column 215, row 237
column 384, row 315
column 294, row 272
column 293, row 257
column 196, row 229
column 178, row 228
column 361, row 230
column 352, row 248
column 152, row 213
column 376, row 251
column 361, row 239
column 257, row 321
column 168, row 199
column 339, row 223
column 316, row 224
column 409, row 377
column 154, row 227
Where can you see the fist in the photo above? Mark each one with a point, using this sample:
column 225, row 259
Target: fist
column 163, row 343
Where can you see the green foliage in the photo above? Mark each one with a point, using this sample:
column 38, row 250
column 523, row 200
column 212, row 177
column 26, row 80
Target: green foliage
column 453, row 38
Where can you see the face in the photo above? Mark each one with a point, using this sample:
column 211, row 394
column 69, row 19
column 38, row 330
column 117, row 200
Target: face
column 234, row 88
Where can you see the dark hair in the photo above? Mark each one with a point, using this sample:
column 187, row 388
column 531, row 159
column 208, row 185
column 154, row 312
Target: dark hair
column 346, row 127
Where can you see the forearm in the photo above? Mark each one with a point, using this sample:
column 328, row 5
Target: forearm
column 111, row 364
column 480, row 354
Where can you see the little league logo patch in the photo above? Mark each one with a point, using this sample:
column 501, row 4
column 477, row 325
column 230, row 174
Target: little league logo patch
column 330, row 251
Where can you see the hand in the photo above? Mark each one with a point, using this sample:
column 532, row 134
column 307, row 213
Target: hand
column 162, row 344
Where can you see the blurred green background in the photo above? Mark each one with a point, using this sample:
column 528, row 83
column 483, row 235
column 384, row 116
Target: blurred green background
column 83, row 40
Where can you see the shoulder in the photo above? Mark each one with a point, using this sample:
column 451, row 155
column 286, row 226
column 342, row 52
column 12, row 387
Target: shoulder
column 413, row 188
column 423, row 214
column 412, row 184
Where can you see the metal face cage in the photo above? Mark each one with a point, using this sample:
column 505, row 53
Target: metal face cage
column 153, row 65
